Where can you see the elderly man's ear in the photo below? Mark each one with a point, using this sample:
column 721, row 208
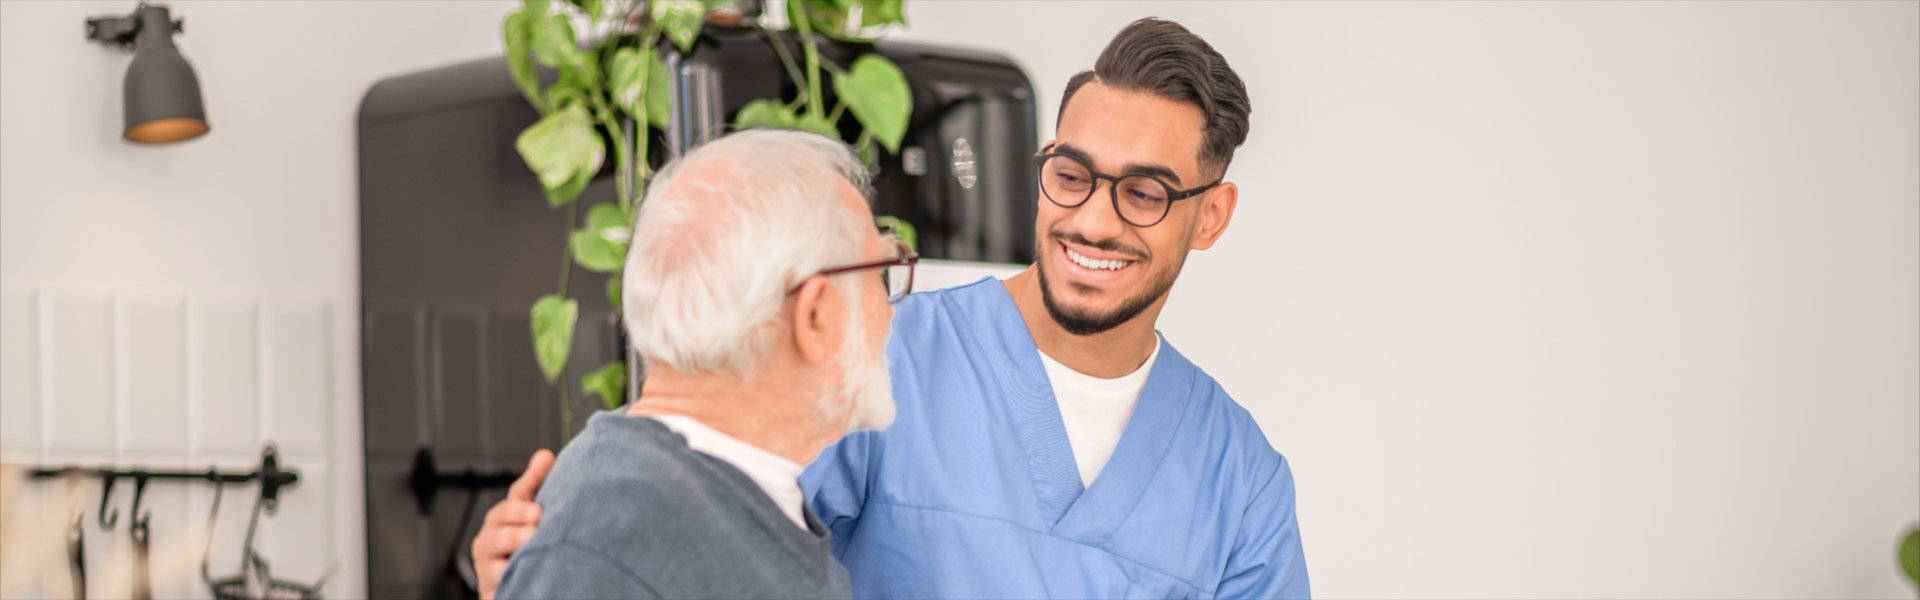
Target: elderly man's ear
column 817, row 311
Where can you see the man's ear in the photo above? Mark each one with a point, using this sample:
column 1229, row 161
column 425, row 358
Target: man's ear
column 1216, row 210
column 813, row 319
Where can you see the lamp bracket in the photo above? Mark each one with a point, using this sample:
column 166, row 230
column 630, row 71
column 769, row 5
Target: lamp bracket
column 121, row 31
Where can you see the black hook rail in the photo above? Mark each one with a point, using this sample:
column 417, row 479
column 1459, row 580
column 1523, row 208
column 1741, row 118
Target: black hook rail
column 270, row 476
column 426, row 480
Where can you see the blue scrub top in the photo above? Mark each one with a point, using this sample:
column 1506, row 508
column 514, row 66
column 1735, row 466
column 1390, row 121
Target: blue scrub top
column 973, row 491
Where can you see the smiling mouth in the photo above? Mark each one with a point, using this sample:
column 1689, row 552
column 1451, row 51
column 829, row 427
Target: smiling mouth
column 1095, row 264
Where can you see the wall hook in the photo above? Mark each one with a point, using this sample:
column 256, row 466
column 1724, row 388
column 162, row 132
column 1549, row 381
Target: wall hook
column 107, row 519
column 140, row 492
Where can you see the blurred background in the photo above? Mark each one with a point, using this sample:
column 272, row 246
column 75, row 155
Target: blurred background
column 1540, row 299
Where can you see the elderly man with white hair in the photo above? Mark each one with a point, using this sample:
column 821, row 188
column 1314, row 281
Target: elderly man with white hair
column 757, row 292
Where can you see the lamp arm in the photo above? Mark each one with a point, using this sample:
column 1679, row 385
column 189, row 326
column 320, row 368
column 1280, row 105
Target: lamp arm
column 122, row 30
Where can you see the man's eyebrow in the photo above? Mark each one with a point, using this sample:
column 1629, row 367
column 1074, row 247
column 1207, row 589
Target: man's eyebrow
column 1157, row 170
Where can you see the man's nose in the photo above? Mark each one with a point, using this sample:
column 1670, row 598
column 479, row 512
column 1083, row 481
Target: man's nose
column 1097, row 218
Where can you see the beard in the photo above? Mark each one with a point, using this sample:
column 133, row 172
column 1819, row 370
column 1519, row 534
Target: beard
column 865, row 391
column 1087, row 322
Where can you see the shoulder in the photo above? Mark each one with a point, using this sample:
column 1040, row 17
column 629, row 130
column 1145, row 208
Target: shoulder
column 921, row 310
column 613, row 482
column 620, row 453
column 1213, row 414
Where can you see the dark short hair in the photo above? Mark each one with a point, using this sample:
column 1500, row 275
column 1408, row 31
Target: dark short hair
column 1164, row 59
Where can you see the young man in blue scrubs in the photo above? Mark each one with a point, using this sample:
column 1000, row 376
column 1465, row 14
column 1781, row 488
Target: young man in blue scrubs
column 1048, row 443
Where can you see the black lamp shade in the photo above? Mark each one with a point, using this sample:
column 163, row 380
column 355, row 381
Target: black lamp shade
column 162, row 94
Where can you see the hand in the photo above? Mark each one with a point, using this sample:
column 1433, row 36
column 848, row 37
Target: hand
column 509, row 525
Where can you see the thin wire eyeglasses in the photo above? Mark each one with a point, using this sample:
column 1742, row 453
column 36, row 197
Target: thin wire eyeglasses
column 1068, row 182
column 896, row 273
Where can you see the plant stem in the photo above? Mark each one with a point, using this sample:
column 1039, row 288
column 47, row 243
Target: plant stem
column 624, row 174
column 812, row 48
column 566, row 269
column 566, row 250
column 786, row 60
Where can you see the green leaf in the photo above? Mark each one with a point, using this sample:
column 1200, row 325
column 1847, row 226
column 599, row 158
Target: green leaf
column 808, row 122
column 519, row 41
column 658, row 102
column 553, row 41
column 613, row 294
column 765, row 112
column 876, row 92
column 874, row 13
column 627, row 78
column 575, row 86
column 681, row 19
column 610, row 382
column 595, row 252
column 553, row 321
column 601, row 246
column 1910, row 555
column 565, row 151
column 825, row 17
column 606, row 220
column 901, row 229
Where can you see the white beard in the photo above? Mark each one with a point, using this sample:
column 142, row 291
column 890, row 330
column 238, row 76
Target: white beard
column 867, row 388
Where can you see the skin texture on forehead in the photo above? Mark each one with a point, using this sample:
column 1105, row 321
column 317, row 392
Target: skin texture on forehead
column 1151, row 135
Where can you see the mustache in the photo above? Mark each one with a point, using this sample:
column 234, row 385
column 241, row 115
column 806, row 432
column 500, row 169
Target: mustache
column 1113, row 246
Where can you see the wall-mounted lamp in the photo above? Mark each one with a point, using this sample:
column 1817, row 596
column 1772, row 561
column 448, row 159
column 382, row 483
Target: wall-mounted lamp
column 162, row 94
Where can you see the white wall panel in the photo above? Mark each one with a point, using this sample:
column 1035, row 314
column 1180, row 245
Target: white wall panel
column 78, row 362
column 153, row 375
column 226, row 378
column 19, row 372
column 298, row 358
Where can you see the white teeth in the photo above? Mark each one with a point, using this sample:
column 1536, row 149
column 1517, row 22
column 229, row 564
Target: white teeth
column 1099, row 265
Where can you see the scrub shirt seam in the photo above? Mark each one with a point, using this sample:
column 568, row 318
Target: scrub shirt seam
column 1241, row 535
column 1185, row 411
column 1140, row 563
column 1016, row 383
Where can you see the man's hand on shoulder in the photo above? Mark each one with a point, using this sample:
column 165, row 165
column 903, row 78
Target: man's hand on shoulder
column 509, row 525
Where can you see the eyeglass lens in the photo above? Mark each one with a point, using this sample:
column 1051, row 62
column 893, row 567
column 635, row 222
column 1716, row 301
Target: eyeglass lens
column 1068, row 182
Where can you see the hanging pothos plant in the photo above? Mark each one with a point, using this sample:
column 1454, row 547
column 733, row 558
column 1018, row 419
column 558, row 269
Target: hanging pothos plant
column 615, row 88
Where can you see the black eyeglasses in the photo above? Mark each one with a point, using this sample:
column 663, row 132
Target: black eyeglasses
column 1068, row 181
column 896, row 273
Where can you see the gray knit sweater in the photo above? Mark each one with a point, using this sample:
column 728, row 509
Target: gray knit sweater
column 630, row 511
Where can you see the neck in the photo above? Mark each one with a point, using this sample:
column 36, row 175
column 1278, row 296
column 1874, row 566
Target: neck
column 781, row 419
column 1108, row 354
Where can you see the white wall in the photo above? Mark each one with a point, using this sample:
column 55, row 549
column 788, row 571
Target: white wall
column 1560, row 299
column 176, row 306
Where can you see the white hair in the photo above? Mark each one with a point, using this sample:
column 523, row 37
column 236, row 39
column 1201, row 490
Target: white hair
column 713, row 257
